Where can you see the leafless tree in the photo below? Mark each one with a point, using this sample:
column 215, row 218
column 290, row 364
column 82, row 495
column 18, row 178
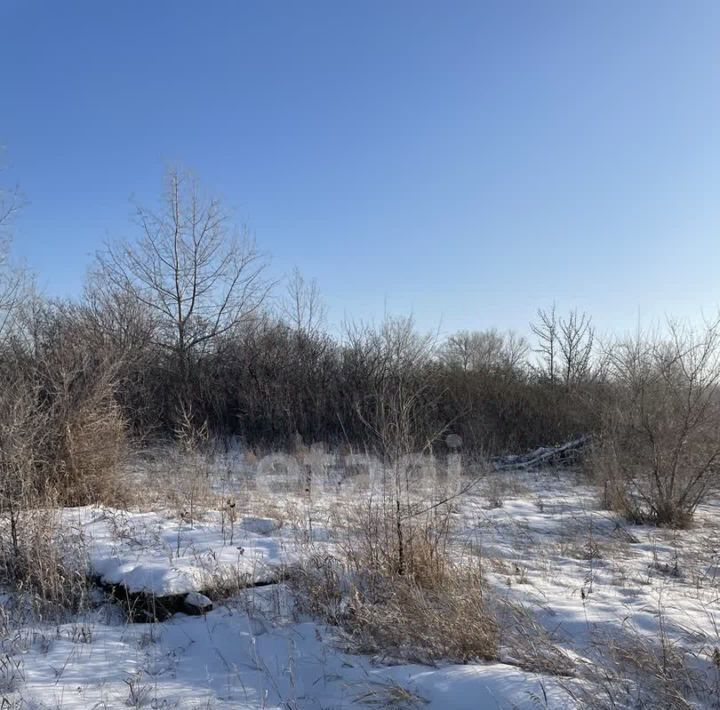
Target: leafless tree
column 660, row 455
column 303, row 306
column 515, row 350
column 399, row 405
column 198, row 275
column 12, row 278
column 470, row 350
column 546, row 330
column 121, row 320
column 564, row 345
column 11, row 202
column 576, row 344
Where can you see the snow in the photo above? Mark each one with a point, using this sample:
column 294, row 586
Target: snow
column 259, row 526
column 197, row 600
column 149, row 552
column 232, row 659
column 584, row 575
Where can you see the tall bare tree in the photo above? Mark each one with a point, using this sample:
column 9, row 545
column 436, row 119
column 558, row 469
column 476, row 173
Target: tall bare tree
column 577, row 337
column 303, row 306
column 564, row 346
column 546, row 330
column 10, row 204
column 11, row 278
column 200, row 276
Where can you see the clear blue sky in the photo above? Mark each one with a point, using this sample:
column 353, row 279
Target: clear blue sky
column 468, row 161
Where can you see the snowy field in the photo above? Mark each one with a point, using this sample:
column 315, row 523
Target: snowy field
column 614, row 615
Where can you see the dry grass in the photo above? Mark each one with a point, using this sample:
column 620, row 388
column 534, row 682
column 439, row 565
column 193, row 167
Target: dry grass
column 428, row 609
column 527, row 644
column 182, row 484
column 389, row 695
column 43, row 564
column 62, row 437
column 450, row 621
column 382, row 539
column 399, row 618
column 90, row 451
column 438, row 608
column 498, row 487
column 60, row 444
column 635, row 670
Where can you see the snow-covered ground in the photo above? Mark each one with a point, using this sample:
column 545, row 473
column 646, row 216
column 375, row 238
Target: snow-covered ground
column 239, row 657
column 150, row 552
column 609, row 596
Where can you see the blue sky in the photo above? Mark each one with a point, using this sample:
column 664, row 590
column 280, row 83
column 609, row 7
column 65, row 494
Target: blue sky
column 466, row 161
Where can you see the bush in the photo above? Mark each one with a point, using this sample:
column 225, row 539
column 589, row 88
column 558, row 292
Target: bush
column 62, row 435
column 659, row 454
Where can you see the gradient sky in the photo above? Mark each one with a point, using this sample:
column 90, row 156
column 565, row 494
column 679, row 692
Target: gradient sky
column 466, row 161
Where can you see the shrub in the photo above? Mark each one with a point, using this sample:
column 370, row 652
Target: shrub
column 659, row 454
column 90, row 444
column 77, row 427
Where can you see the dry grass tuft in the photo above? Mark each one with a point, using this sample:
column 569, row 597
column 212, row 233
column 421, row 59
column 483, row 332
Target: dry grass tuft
column 640, row 671
column 380, row 542
column 528, row 644
column 389, row 695
column 42, row 562
column 450, row 621
column 428, row 609
column 90, row 449
column 399, row 618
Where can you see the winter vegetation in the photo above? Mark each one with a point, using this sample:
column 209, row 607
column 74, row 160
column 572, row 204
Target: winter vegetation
column 208, row 499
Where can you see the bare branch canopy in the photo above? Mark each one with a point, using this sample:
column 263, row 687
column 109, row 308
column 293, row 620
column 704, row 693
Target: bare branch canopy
column 200, row 275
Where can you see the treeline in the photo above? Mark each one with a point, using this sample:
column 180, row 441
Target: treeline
column 271, row 383
column 180, row 335
column 184, row 326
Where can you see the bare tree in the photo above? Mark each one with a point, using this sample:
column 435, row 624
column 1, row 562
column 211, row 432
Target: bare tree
column 11, row 202
column 11, row 277
column 396, row 414
column 473, row 350
column 564, row 345
column 516, row 350
column 200, row 277
column 456, row 352
column 303, row 306
column 547, row 333
column 576, row 344
column 122, row 321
